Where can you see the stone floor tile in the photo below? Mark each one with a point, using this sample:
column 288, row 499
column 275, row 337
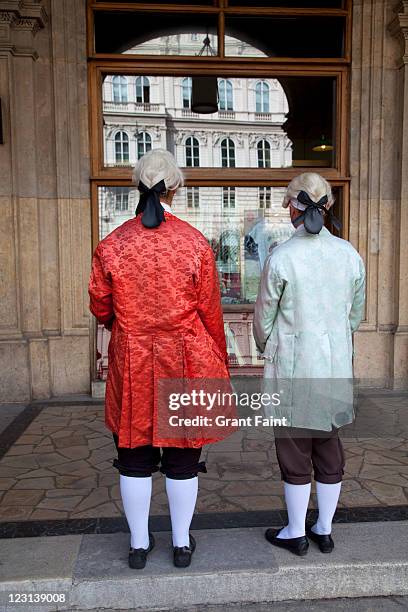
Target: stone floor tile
column 57, row 421
column 6, row 483
column 258, row 502
column 50, row 459
column 243, row 488
column 104, row 510
column 107, row 453
column 66, row 432
column 55, row 493
column 95, row 498
column 26, row 462
column 232, row 472
column 387, row 493
column 353, row 465
column 45, row 514
column 29, row 439
column 41, row 472
column 114, row 492
column 226, row 457
column 360, row 497
column 98, row 442
column 10, row 472
column 69, row 441
column 354, row 450
column 372, row 472
column 35, row 483
column 350, row 484
column 76, row 483
column 210, row 484
column 16, row 497
column 256, row 445
column 75, row 452
column 250, row 456
column 159, row 497
column 15, row 513
column 60, row 503
column 385, row 443
column 73, row 467
column 397, row 479
column 215, row 503
column 40, row 450
column 379, row 459
column 109, row 478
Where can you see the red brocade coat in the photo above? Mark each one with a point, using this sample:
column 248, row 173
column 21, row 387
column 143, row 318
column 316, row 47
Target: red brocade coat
column 159, row 290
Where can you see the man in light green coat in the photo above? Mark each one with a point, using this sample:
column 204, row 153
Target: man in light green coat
column 310, row 301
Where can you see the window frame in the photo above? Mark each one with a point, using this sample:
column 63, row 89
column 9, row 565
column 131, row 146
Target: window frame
column 186, row 88
column 144, row 142
column 121, row 86
column 194, row 192
column 262, row 149
column 229, row 195
column 340, row 74
column 121, row 141
column 231, row 67
column 230, row 150
column 142, row 88
column 226, row 100
column 221, row 10
column 190, row 148
column 262, row 84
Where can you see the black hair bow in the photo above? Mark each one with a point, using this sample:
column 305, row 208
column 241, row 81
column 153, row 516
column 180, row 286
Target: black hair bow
column 312, row 217
column 149, row 204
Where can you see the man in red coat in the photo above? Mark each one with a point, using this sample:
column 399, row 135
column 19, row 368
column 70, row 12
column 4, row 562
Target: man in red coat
column 154, row 283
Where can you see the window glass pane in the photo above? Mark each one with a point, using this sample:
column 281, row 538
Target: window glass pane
column 192, row 152
column 276, row 36
column 260, row 123
column 154, row 33
column 242, row 224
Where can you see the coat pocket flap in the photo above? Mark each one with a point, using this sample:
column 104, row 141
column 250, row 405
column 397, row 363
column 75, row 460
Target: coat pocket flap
column 270, row 350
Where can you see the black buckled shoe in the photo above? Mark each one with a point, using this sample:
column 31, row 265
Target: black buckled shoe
column 324, row 542
column 183, row 554
column 138, row 556
column 298, row 546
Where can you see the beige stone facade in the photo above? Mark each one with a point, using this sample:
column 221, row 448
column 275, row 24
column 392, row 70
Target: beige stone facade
column 46, row 333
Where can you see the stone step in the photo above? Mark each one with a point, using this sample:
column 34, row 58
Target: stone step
column 230, row 565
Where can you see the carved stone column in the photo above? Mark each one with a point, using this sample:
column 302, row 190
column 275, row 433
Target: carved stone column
column 399, row 28
column 45, row 234
column 375, row 204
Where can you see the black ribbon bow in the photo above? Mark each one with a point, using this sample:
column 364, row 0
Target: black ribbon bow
column 149, row 204
column 312, row 217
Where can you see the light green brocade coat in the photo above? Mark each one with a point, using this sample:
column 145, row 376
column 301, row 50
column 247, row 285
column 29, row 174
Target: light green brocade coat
column 310, row 301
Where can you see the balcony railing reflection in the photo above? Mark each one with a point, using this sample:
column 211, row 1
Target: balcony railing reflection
column 132, row 107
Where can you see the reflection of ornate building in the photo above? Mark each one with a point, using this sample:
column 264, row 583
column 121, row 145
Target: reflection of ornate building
column 143, row 112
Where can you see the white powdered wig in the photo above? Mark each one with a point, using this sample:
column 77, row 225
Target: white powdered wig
column 158, row 165
column 314, row 185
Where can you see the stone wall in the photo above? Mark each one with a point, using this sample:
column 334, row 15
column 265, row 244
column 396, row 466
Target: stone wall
column 378, row 167
column 45, row 225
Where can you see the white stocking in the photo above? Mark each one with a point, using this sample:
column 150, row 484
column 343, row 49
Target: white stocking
column 136, row 494
column 182, row 496
column 327, row 499
column 297, row 500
